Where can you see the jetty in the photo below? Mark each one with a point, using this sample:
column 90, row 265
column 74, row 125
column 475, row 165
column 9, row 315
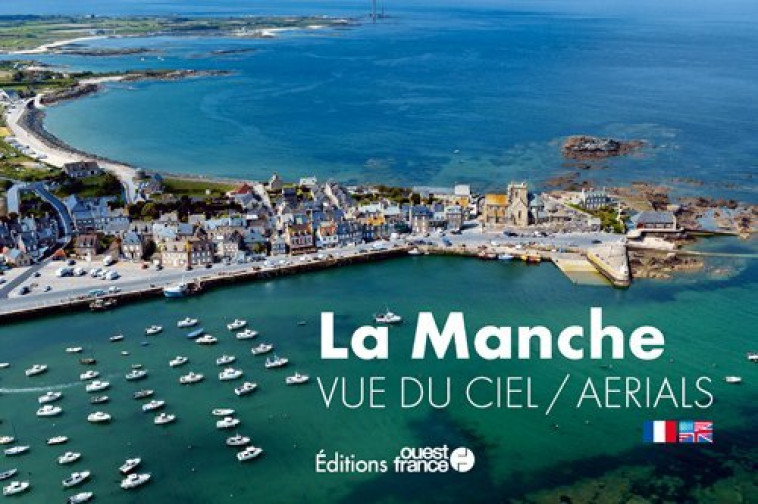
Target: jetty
column 612, row 261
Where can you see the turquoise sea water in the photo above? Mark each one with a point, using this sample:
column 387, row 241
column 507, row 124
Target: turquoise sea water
column 709, row 325
column 391, row 102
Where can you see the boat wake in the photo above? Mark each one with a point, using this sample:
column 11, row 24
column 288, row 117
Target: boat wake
column 35, row 390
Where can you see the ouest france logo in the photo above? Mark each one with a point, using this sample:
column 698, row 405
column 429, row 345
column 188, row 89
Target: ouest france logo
column 419, row 460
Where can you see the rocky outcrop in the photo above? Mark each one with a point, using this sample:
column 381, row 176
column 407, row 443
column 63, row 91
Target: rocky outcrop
column 586, row 148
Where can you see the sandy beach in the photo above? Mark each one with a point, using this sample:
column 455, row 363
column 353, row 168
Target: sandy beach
column 59, row 43
column 56, row 155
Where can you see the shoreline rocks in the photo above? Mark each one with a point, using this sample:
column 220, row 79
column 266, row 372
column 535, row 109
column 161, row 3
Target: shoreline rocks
column 587, row 148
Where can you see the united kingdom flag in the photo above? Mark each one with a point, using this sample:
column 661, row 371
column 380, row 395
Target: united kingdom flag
column 697, row 431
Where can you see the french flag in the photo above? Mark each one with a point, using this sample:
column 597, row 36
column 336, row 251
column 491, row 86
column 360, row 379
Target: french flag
column 659, row 431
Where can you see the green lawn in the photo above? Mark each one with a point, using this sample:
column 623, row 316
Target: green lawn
column 195, row 188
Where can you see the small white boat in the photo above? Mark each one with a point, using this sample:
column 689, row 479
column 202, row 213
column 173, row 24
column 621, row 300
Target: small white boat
column 36, row 369
column 76, row 349
column 81, row 497
column 100, row 399
column 16, row 450
column 4, row 365
column 8, row 474
column 57, row 440
column 187, row 322
column 276, row 362
column 153, row 329
column 116, row 337
column 387, row 317
column 225, row 359
column 129, row 465
column 97, row 385
column 89, row 375
column 142, row 394
column 76, row 478
column 136, row 374
column 245, row 388
column 261, row 349
column 237, row 440
column 237, row 324
column 191, row 378
column 247, row 334
column 505, row 257
column 6, row 440
column 134, row 480
column 49, row 410
column 69, row 458
column 16, row 487
column 98, row 417
column 206, row 339
column 249, row 453
column 297, row 379
column 164, row 418
column 227, row 423
column 49, row 397
column 415, row 251
column 177, row 361
column 222, row 412
column 230, row 374
column 733, row 379
column 752, row 356
column 153, row 405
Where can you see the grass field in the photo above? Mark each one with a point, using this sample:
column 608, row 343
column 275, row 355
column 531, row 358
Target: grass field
column 195, row 188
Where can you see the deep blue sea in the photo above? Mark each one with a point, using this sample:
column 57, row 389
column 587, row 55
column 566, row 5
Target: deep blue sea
column 500, row 83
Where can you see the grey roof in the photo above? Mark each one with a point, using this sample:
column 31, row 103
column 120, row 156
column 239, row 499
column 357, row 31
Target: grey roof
column 650, row 217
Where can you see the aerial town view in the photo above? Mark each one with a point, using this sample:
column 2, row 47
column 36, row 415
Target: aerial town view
column 194, row 193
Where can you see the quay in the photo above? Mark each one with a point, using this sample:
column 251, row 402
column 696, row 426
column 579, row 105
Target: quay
column 612, row 261
column 9, row 313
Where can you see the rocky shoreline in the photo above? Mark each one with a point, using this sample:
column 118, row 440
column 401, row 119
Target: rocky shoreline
column 589, row 148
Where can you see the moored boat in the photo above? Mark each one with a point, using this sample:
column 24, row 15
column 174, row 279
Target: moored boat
column 187, row 322
column 262, row 348
column 49, row 410
column 16, row 450
column 153, row 329
column 191, row 378
column 164, row 418
column 99, row 399
column 276, row 362
column 135, row 480
column 206, row 339
column 752, row 356
column 129, row 465
column 136, row 374
column 297, row 379
column 88, row 361
column 245, row 388
column 230, row 374
column 387, row 317
column 177, row 361
column 6, row 440
column 16, row 487
column 196, row 333
column 141, row 394
column 8, row 474
column 57, row 440
column 249, row 453
column 247, row 334
column 74, row 349
column 227, row 423
column 733, row 379
column 414, row 251
column 225, row 359
column 176, row 291
column 49, row 397
column 99, row 417
column 236, row 324
column 505, row 257
column 222, row 412
column 76, row 478
column 237, row 440
column 89, row 375
column 36, row 369
column 97, row 386
column 153, row 405
column 81, row 497
column 69, row 458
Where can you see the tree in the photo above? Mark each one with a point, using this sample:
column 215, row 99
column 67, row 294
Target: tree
column 150, row 211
